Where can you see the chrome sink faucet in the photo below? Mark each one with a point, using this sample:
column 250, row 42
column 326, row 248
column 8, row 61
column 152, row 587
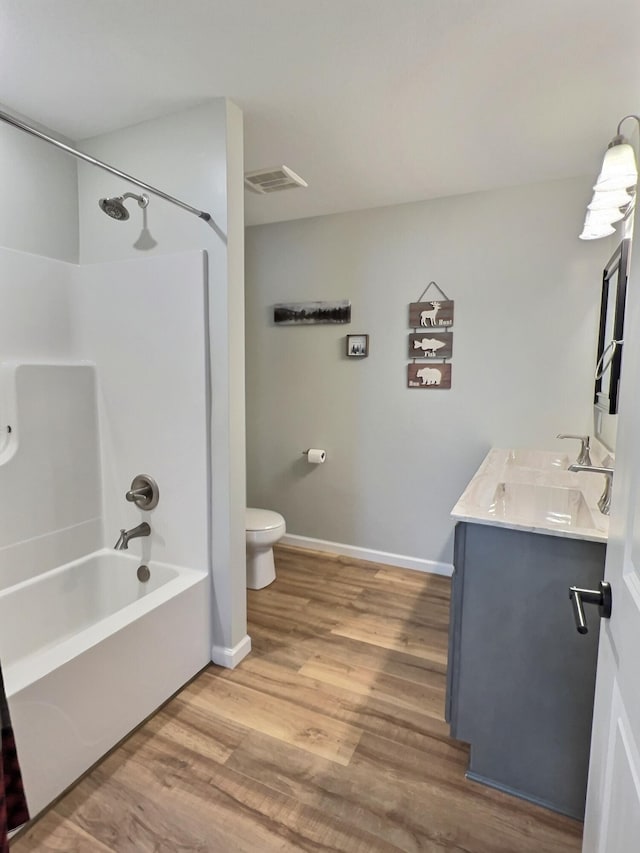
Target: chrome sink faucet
column 604, row 504
column 126, row 535
column 583, row 457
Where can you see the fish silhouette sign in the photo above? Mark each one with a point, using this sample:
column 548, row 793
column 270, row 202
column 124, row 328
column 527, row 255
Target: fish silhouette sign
column 431, row 345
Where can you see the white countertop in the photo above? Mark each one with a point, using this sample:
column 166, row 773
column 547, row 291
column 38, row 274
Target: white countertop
column 533, row 490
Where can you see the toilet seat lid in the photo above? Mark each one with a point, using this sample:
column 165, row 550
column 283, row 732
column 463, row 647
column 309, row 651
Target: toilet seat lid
column 262, row 519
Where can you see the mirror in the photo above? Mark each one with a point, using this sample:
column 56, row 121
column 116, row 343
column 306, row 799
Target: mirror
column 610, row 344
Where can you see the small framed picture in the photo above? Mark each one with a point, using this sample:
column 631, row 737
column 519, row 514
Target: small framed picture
column 357, row 346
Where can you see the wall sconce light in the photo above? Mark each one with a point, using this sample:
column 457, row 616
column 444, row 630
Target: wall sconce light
column 614, row 192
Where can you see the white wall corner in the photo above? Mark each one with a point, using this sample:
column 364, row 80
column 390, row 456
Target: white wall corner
column 231, row 657
column 417, row 564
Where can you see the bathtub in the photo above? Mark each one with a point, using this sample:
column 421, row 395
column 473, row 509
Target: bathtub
column 88, row 651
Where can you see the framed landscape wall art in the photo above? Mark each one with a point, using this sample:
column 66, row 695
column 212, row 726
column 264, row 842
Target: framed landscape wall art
column 311, row 313
column 357, row 346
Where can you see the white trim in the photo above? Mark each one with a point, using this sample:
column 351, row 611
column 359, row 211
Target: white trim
column 231, row 657
column 415, row 563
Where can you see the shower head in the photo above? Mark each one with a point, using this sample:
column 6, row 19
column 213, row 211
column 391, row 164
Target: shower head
column 114, row 207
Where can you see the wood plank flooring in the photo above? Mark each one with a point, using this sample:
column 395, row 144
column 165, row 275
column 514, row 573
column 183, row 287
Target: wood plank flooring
column 329, row 737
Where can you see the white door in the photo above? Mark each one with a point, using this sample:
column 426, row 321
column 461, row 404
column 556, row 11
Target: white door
column 612, row 822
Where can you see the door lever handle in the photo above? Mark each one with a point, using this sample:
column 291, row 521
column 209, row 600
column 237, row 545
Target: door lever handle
column 580, row 597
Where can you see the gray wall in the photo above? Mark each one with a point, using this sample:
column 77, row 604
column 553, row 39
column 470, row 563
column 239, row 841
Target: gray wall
column 526, row 295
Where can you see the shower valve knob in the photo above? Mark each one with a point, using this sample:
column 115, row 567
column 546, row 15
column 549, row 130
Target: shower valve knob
column 144, row 492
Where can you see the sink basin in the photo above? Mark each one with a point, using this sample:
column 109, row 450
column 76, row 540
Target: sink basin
column 526, row 503
column 540, row 459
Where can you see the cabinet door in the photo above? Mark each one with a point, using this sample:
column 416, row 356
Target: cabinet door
column 523, row 677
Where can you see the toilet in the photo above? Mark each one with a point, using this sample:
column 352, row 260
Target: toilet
column 264, row 528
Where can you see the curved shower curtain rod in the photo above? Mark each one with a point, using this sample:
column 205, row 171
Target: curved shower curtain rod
column 21, row 125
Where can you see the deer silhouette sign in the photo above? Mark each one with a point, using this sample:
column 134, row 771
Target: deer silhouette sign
column 430, row 315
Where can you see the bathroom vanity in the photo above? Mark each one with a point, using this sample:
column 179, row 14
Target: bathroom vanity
column 521, row 679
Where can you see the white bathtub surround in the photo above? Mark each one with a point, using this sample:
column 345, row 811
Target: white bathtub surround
column 368, row 554
column 91, row 666
column 533, row 490
column 77, row 446
column 230, row 658
column 50, row 479
column 37, row 307
column 103, row 652
column 143, row 323
column 39, row 554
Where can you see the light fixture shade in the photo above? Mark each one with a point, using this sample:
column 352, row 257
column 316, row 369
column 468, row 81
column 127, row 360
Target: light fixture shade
column 597, row 225
column 595, row 235
column 615, row 189
column 606, row 214
column 619, row 169
column 609, row 199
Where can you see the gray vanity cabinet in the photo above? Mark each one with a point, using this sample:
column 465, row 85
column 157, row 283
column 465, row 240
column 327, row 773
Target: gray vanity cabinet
column 521, row 679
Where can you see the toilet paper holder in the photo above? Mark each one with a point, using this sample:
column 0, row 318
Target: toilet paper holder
column 320, row 455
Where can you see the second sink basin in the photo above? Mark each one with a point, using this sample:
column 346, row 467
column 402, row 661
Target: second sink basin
column 540, row 459
column 526, row 503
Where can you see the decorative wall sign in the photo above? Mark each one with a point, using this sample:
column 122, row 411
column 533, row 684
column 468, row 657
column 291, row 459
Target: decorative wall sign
column 429, row 376
column 431, row 345
column 426, row 343
column 357, row 346
column 311, row 313
column 427, row 315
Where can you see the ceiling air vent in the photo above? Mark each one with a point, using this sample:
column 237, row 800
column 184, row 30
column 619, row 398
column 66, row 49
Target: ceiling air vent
column 273, row 180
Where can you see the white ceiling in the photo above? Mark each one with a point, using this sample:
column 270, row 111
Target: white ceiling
column 373, row 102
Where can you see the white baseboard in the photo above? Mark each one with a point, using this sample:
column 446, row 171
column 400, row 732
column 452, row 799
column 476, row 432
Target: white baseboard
column 231, row 657
column 368, row 554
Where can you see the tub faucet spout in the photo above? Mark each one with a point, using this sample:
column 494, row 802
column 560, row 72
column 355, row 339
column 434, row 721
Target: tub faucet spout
column 126, row 535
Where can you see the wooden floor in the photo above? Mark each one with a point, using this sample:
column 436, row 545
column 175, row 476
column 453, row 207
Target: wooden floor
column 328, row 737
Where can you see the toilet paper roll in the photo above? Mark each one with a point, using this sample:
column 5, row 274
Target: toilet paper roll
column 315, row 456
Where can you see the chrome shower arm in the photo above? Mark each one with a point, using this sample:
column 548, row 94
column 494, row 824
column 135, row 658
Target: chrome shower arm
column 143, row 200
column 27, row 128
